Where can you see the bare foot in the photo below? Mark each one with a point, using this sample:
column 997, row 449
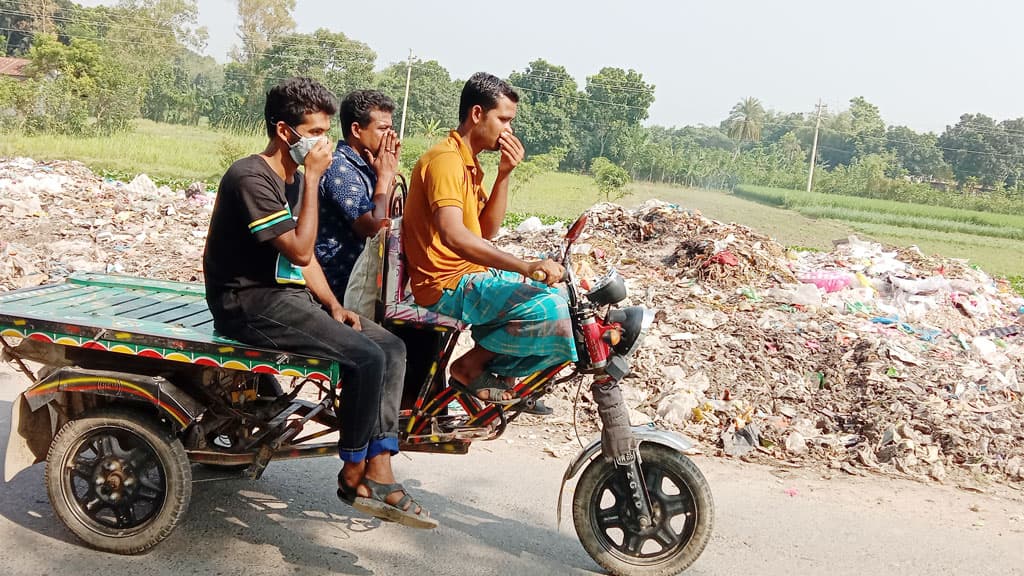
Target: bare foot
column 471, row 365
column 465, row 371
column 352, row 475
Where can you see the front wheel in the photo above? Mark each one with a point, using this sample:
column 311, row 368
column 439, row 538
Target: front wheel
column 681, row 505
column 118, row 481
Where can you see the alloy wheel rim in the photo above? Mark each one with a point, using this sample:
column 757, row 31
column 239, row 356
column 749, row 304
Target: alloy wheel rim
column 113, row 482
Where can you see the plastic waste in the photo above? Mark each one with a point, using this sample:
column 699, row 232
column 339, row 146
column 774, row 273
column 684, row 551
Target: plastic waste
column 530, row 225
column 922, row 286
column 679, row 408
column 797, row 295
column 827, row 280
column 721, row 245
column 740, row 442
column 863, row 280
column 749, row 293
column 858, row 308
column 989, row 351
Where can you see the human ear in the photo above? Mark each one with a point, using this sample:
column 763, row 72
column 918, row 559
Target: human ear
column 283, row 132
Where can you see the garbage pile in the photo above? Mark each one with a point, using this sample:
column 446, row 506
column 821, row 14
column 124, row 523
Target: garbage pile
column 58, row 218
column 862, row 358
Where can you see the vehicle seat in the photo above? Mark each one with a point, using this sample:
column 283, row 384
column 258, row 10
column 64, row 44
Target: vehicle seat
column 396, row 304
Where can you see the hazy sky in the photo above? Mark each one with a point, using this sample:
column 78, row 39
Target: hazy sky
column 923, row 63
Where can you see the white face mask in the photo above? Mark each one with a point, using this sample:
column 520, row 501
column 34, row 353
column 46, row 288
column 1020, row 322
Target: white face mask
column 300, row 149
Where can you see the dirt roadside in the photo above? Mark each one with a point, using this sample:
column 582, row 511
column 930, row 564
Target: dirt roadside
column 769, row 521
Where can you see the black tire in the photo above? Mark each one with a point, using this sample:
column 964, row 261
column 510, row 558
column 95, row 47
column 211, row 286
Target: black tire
column 683, row 514
column 118, row 480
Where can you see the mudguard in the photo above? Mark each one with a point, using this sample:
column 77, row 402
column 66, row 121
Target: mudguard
column 30, row 437
column 642, row 434
column 32, row 429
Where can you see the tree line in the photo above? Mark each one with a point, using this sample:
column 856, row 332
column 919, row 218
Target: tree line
column 95, row 70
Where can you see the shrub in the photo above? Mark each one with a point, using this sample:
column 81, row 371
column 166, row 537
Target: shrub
column 611, row 179
column 230, row 149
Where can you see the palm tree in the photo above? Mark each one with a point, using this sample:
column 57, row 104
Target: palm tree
column 745, row 120
column 429, row 128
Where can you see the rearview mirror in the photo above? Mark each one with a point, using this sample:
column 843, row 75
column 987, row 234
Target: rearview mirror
column 576, row 229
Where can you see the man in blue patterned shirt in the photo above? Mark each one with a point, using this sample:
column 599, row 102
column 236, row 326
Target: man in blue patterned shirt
column 354, row 190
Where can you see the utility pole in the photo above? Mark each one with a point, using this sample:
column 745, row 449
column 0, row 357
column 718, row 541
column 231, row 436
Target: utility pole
column 405, row 101
column 814, row 148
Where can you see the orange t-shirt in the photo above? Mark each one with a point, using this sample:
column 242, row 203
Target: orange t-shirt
column 447, row 175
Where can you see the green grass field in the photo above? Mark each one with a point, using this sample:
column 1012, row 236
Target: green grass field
column 564, row 195
column 179, row 154
column 559, row 194
column 993, row 241
column 851, row 208
column 163, row 151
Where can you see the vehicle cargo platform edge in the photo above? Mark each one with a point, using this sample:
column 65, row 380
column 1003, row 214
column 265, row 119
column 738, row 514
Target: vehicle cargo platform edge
column 141, row 317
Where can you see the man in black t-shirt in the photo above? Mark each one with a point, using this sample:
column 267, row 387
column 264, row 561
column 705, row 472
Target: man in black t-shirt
column 264, row 287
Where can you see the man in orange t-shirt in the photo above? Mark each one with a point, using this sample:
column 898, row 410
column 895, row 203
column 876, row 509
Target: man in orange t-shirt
column 519, row 325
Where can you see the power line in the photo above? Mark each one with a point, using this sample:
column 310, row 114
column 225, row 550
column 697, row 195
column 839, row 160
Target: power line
column 267, row 54
column 581, row 98
column 996, row 130
column 551, row 76
column 94, row 19
column 86, row 12
column 342, row 47
column 96, row 22
column 886, row 139
column 299, row 40
column 630, row 88
column 591, row 84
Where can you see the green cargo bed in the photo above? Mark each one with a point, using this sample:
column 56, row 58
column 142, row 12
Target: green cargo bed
column 141, row 317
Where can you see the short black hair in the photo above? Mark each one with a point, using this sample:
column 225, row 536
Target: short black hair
column 357, row 106
column 484, row 89
column 295, row 97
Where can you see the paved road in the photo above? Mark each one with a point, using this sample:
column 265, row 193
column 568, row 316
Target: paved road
column 497, row 513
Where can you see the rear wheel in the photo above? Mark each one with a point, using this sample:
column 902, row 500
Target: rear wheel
column 607, row 523
column 118, row 480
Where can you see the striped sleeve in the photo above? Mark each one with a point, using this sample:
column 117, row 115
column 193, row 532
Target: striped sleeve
column 265, row 208
column 268, row 221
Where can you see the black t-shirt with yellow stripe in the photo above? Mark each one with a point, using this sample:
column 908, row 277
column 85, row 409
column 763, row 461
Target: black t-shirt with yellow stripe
column 254, row 206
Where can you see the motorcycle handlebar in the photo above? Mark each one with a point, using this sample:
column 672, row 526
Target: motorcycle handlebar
column 541, row 276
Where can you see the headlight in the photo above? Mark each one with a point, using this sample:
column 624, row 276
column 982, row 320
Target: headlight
column 610, row 289
column 634, row 320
